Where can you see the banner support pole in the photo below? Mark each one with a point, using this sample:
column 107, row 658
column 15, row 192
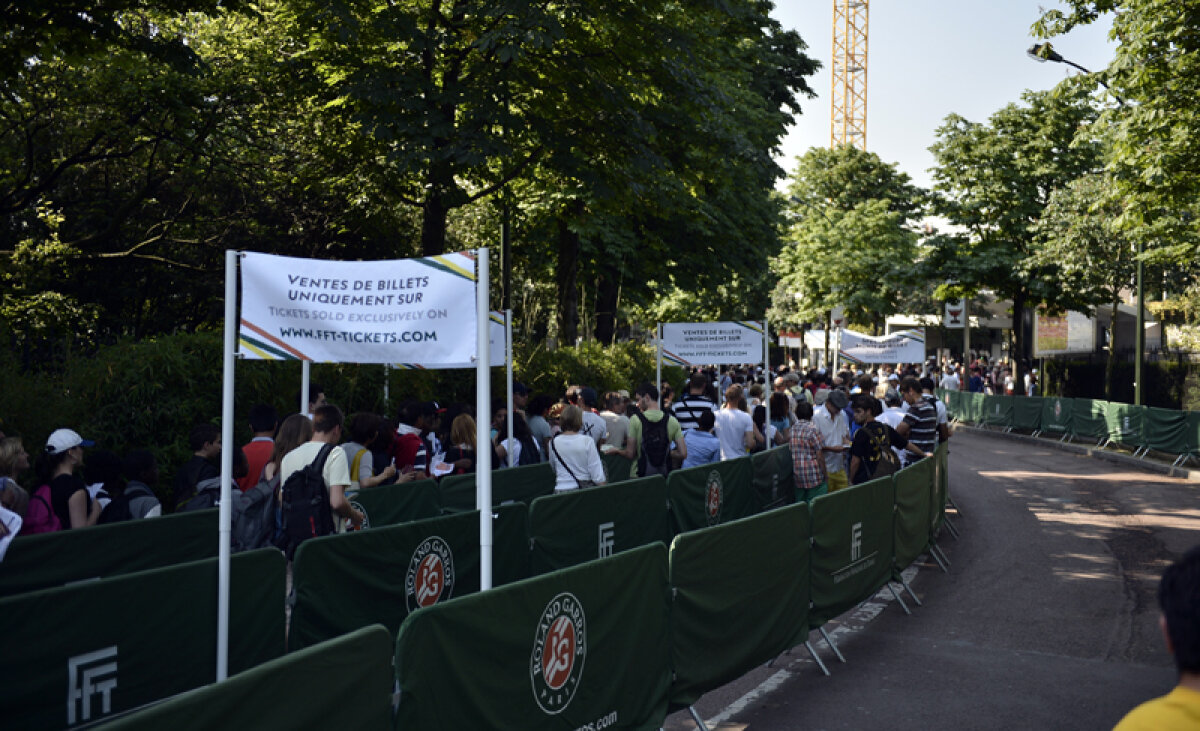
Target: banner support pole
column 224, row 514
column 305, row 383
column 658, row 334
column 483, row 398
column 770, row 387
column 508, row 375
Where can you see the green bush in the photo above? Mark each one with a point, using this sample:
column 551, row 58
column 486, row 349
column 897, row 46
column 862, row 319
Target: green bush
column 1170, row 385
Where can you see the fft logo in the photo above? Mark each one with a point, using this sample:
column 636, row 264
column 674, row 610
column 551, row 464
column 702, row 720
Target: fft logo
column 608, row 539
column 430, row 574
column 856, row 542
column 559, row 649
column 89, row 675
column 714, row 497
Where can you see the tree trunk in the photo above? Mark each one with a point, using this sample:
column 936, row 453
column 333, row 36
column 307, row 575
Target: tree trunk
column 608, row 293
column 568, row 281
column 1020, row 342
column 1110, row 368
column 433, row 226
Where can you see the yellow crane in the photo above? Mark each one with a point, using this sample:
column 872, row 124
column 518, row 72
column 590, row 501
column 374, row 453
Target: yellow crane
column 848, row 108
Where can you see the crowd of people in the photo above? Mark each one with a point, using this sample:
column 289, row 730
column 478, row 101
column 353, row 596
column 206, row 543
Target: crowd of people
column 843, row 428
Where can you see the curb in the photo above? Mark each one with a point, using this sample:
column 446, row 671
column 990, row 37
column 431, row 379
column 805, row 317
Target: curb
column 1126, row 460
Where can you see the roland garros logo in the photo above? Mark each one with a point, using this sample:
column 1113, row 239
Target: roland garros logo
column 366, row 518
column 714, row 496
column 559, row 648
column 430, row 574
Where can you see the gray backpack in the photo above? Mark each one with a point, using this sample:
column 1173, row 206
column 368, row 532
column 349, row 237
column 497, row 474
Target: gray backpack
column 253, row 516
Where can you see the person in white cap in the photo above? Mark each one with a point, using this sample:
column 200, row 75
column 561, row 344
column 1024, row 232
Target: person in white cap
column 69, row 498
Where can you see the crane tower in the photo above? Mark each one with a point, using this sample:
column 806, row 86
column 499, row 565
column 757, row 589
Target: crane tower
column 848, row 117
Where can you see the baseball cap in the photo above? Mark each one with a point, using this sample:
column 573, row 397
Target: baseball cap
column 63, row 439
column 838, row 399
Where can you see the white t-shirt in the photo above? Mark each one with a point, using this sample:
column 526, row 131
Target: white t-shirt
column 512, row 451
column 574, row 453
column 836, row 432
column 892, row 416
column 950, row 382
column 366, row 465
column 594, row 426
column 336, row 471
column 732, row 426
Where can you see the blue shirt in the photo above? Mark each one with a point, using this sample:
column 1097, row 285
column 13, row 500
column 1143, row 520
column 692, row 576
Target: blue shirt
column 702, row 448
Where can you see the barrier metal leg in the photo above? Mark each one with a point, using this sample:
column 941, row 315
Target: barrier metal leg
column 899, row 599
column 951, row 503
column 940, row 556
column 950, row 525
column 816, row 658
column 911, row 593
column 771, row 662
column 832, row 646
column 696, row 717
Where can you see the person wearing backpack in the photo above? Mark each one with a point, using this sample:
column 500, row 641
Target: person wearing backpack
column 61, row 490
column 310, row 498
column 871, row 453
column 654, row 438
column 137, row 500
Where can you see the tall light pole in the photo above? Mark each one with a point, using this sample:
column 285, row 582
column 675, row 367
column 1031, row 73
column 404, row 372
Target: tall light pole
column 1043, row 52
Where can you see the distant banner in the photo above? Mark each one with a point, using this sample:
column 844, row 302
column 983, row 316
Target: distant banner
column 402, row 311
column 907, row 346
column 1073, row 333
column 709, row 343
column 498, row 349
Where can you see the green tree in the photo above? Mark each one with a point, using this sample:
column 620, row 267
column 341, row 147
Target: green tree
column 996, row 179
column 852, row 242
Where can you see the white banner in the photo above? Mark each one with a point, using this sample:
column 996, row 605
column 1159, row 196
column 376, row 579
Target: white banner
column 1073, row 333
column 402, row 311
column 707, row 343
column 907, row 346
column 498, row 352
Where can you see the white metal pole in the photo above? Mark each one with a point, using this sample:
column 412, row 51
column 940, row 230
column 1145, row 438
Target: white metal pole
column 483, row 438
column 387, row 376
column 770, row 387
column 224, row 516
column 305, row 379
column 508, row 375
column 658, row 365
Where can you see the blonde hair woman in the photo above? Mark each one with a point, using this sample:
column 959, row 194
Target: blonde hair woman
column 574, row 456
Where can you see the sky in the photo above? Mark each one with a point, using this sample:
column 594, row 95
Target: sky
column 927, row 59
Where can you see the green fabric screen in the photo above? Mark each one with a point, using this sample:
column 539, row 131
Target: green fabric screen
column 773, row 482
column 973, row 406
column 712, row 494
column 941, row 488
column 953, row 401
column 914, row 494
column 1193, row 432
column 1027, row 413
column 616, row 467
column 53, row 559
column 997, row 411
column 741, row 598
column 480, row 662
column 1166, row 430
column 392, row 504
column 77, row 653
column 852, row 547
column 1056, row 414
column 1088, row 419
column 509, row 485
column 577, row 526
column 342, row 683
column 1126, row 423
column 379, row 576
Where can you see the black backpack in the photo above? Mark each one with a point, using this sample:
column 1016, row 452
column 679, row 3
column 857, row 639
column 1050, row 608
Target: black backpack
column 305, row 506
column 208, row 495
column 656, row 446
column 117, row 510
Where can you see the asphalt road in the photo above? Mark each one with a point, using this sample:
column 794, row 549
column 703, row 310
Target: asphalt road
column 1046, row 620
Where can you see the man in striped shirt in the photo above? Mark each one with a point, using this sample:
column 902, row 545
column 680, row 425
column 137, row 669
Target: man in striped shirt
column 808, row 464
column 688, row 408
column 920, row 423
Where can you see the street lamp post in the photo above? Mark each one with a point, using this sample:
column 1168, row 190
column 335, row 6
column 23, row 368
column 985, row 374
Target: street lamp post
column 1042, row 52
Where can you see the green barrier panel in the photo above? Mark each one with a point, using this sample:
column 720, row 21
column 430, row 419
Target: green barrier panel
column 1166, row 430
column 773, row 481
column 997, row 411
column 392, row 504
column 852, row 547
column 343, row 683
column 509, row 485
column 953, row 401
column 712, row 494
column 574, row 527
column 914, row 493
column 380, row 576
column 585, row 647
column 1027, row 413
column 1057, row 414
column 1126, row 423
column 75, row 654
column 53, row 559
column 941, row 488
column 616, row 467
column 1088, row 419
column 973, row 406
column 1193, row 432
column 741, row 598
